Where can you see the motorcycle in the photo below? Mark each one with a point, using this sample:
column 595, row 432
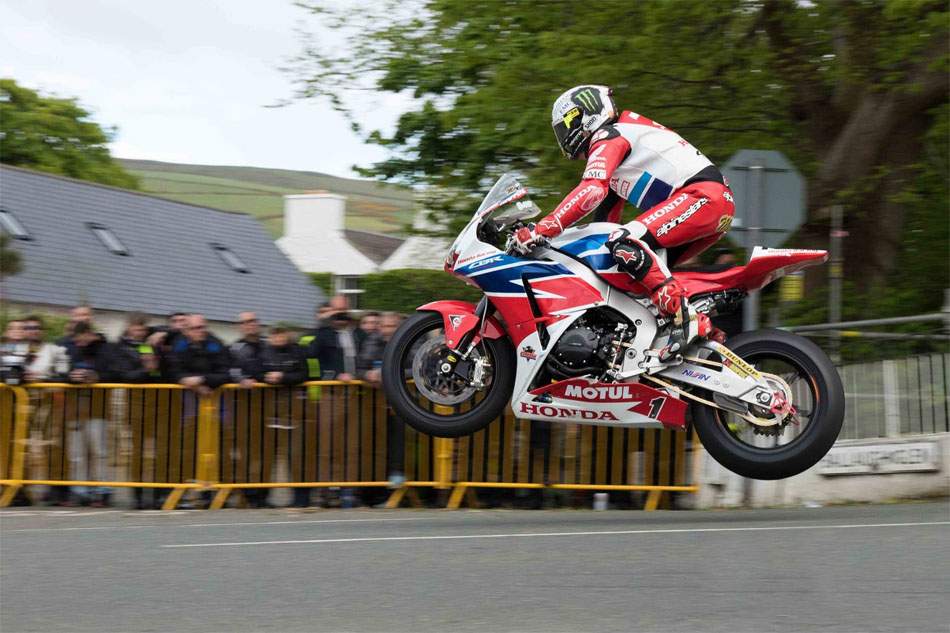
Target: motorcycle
column 564, row 336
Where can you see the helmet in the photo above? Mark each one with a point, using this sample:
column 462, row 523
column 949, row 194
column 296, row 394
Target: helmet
column 578, row 113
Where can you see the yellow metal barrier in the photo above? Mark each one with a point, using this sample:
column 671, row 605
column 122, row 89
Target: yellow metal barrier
column 118, row 435
column 166, row 437
column 513, row 453
column 299, row 437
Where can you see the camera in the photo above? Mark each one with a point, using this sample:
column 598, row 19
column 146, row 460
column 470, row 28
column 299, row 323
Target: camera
column 12, row 369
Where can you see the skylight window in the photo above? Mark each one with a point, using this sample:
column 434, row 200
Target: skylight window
column 12, row 226
column 108, row 239
column 230, row 258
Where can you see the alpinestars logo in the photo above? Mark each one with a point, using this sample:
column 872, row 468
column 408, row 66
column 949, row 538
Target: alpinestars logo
column 588, row 99
column 728, row 196
column 687, row 214
column 630, row 258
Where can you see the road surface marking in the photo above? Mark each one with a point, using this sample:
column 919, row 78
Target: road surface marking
column 544, row 534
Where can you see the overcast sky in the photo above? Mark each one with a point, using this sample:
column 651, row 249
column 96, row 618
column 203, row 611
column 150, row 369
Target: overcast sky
column 186, row 80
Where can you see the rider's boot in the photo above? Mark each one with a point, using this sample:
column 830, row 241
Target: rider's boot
column 635, row 258
column 688, row 324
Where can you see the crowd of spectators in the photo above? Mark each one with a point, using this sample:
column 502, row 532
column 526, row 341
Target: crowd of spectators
column 185, row 352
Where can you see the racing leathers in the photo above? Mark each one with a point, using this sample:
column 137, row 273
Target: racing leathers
column 687, row 204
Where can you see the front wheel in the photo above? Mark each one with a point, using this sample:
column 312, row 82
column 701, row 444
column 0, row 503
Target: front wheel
column 439, row 403
column 776, row 452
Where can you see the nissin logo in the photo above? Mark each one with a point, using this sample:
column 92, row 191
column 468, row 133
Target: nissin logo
column 695, row 374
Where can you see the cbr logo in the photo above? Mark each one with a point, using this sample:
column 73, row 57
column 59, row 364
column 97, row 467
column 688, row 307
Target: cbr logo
column 528, row 352
column 485, row 262
column 560, row 412
column 695, row 374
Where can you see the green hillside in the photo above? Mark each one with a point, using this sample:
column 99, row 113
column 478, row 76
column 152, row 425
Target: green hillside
column 370, row 206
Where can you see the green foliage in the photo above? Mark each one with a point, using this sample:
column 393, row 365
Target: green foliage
column 799, row 77
column 53, row 135
column 54, row 325
column 371, row 206
column 404, row 290
column 9, row 258
column 323, row 281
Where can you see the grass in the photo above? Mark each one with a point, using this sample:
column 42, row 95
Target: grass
column 371, row 206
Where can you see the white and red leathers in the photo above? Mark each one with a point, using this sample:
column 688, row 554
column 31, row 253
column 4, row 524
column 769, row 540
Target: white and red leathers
column 687, row 205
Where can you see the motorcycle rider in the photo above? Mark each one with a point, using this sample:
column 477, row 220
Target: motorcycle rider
column 686, row 201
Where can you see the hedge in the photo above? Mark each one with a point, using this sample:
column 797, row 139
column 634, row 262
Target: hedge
column 405, row 290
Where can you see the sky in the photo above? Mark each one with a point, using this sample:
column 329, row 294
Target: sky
column 188, row 80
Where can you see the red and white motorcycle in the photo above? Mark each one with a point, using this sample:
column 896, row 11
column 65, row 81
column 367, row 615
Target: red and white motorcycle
column 564, row 336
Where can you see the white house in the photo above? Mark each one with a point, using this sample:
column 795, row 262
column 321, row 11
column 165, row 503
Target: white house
column 317, row 241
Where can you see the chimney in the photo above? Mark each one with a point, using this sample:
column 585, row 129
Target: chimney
column 313, row 213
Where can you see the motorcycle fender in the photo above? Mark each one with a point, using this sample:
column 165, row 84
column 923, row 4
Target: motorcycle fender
column 459, row 318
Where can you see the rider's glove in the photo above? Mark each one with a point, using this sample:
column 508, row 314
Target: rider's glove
column 525, row 240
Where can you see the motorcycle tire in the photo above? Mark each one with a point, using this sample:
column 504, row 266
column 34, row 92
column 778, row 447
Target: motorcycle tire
column 429, row 422
column 816, row 439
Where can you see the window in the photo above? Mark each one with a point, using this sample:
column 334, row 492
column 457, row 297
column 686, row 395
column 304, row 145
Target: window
column 12, row 226
column 230, row 258
column 108, row 238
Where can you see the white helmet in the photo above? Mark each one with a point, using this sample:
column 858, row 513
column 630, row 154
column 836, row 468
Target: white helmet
column 580, row 112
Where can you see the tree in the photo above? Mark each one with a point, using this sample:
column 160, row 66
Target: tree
column 9, row 258
column 850, row 91
column 53, row 135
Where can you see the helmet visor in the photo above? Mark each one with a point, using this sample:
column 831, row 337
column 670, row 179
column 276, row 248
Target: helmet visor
column 568, row 132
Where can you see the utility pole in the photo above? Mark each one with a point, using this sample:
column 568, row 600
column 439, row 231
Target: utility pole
column 750, row 307
column 835, row 273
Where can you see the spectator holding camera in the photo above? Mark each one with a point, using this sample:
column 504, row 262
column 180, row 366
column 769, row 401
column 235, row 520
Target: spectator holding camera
column 246, row 352
column 199, row 360
column 133, row 359
column 80, row 314
column 45, row 362
column 335, row 345
column 89, row 355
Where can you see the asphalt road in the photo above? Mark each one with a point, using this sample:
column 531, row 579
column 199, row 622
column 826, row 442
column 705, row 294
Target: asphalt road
column 860, row 568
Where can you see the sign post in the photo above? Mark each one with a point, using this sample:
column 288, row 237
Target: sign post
column 770, row 206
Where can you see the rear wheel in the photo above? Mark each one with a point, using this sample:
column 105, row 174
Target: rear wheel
column 440, row 403
column 783, row 450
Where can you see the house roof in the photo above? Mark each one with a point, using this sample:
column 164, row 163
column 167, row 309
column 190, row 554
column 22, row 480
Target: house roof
column 172, row 263
column 377, row 246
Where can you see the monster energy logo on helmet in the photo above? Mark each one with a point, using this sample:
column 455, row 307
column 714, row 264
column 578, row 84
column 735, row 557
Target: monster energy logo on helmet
column 588, row 99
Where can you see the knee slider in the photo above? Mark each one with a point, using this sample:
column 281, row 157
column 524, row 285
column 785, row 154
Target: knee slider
column 632, row 258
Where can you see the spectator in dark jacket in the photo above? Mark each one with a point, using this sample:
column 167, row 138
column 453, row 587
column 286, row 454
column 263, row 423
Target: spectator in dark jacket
column 133, row 359
column 246, row 352
column 80, row 314
column 163, row 339
column 336, row 346
column 369, row 365
column 89, row 361
column 282, row 362
column 199, row 360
